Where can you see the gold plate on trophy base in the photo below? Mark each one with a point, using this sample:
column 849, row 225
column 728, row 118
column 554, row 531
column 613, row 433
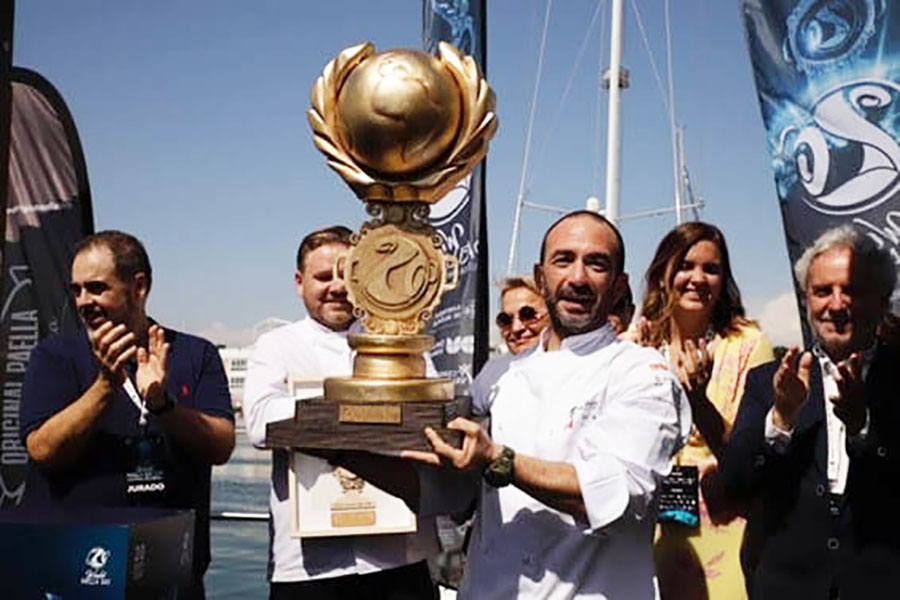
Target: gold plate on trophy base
column 374, row 414
column 362, row 389
column 317, row 424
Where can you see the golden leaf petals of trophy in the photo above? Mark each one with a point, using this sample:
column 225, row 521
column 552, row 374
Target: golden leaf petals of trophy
column 402, row 125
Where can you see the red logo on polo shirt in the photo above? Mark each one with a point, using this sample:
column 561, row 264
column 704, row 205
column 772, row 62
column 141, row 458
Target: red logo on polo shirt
column 185, row 390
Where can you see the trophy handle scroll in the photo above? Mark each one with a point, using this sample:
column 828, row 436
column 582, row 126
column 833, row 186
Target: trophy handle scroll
column 451, row 268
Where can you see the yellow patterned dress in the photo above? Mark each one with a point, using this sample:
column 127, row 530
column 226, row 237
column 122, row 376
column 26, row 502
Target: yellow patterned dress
column 704, row 563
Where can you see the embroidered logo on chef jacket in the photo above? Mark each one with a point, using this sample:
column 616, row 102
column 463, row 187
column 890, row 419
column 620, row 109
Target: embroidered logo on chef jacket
column 660, row 373
column 581, row 414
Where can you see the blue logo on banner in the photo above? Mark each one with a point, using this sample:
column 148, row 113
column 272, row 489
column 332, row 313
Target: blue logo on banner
column 457, row 15
column 826, row 34
column 833, row 133
column 841, row 158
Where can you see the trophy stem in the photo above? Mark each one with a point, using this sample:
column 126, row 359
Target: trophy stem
column 388, row 368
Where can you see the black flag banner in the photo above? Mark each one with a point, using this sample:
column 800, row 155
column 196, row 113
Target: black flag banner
column 460, row 324
column 828, row 77
column 48, row 211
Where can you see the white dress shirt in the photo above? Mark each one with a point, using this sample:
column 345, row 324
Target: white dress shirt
column 838, row 462
column 615, row 412
column 308, row 350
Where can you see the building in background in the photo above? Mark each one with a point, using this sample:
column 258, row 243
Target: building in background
column 235, row 359
column 267, row 325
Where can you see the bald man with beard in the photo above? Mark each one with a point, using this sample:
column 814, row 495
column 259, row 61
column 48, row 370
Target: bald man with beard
column 577, row 433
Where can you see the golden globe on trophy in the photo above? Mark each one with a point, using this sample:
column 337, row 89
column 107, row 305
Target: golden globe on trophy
column 401, row 127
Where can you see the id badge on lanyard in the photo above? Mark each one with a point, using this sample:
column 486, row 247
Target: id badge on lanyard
column 679, row 492
column 145, row 478
column 679, row 497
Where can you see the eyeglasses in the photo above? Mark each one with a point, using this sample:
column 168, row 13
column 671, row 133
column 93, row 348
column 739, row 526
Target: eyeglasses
column 527, row 314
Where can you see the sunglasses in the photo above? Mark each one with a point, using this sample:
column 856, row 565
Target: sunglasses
column 527, row 314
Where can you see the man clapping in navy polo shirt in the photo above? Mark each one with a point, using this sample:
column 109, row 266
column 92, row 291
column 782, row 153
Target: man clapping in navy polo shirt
column 125, row 412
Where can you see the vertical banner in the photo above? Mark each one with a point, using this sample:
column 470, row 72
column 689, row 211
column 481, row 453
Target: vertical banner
column 48, row 211
column 461, row 323
column 828, row 77
column 8, row 497
column 7, row 10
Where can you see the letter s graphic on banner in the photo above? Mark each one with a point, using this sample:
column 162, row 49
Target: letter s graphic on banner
column 844, row 121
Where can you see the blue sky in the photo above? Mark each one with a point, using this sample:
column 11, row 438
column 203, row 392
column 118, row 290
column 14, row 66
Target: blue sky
column 192, row 117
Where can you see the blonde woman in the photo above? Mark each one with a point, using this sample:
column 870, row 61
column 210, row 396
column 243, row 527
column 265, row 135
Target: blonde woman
column 523, row 313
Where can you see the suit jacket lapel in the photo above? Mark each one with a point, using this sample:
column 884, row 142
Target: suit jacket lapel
column 811, row 418
column 880, row 372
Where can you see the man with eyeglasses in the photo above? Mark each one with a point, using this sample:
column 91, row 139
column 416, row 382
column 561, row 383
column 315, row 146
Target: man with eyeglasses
column 523, row 314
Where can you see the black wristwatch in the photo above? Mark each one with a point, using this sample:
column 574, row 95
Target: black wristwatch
column 165, row 407
column 499, row 472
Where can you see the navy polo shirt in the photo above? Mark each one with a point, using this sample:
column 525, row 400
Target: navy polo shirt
column 62, row 368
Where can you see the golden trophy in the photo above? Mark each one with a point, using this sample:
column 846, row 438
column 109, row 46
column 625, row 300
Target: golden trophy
column 401, row 127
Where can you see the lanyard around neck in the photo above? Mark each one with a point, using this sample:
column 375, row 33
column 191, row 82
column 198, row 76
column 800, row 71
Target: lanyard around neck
column 136, row 400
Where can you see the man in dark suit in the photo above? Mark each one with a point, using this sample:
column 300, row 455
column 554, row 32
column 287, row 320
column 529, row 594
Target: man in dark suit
column 815, row 450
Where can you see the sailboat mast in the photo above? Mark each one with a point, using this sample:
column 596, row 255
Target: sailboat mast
column 676, row 161
column 520, row 197
column 614, row 131
column 681, row 197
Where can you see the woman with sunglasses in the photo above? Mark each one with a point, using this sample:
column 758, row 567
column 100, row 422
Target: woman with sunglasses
column 523, row 314
column 692, row 312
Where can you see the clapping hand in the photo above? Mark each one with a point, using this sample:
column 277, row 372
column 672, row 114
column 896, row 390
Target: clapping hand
column 113, row 346
column 850, row 403
column 151, row 369
column 790, row 387
column 693, row 366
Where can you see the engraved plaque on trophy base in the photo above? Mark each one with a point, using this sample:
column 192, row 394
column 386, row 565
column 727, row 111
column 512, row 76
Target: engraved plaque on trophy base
column 379, row 427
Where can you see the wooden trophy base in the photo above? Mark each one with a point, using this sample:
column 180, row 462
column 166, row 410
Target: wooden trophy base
column 383, row 408
column 379, row 427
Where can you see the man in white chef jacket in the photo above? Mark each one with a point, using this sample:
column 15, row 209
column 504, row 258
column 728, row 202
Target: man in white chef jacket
column 581, row 430
column 389, row 567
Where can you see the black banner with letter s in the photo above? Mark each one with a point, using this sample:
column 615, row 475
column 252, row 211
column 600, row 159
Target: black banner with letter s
column 461, row 322
column 48, row 211
column 828, row 77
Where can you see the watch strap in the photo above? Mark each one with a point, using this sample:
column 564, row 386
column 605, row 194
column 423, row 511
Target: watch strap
column 166, row 406
column 499, row 472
